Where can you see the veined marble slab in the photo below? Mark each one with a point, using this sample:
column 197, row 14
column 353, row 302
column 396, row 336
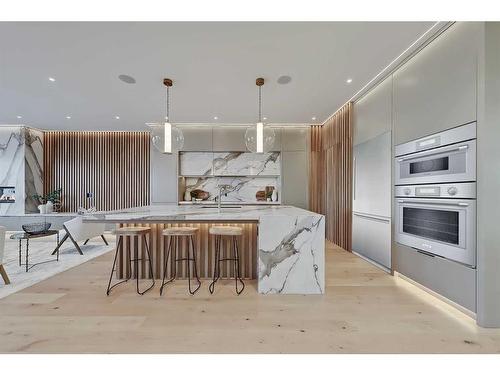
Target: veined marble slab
column 291, row 244
column 33, row 170
column 245, row 188
column 247, row 164
column 196, row 163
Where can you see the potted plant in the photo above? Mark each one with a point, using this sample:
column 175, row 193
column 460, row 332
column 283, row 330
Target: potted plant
column 50, row 202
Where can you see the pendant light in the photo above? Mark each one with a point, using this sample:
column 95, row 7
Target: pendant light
column 165, row 137
column 259, row 138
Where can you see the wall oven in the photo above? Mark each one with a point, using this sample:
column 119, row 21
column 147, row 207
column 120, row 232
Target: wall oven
column 449, row 156
column 438, row 220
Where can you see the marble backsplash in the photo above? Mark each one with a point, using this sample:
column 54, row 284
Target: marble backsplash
column 207, row 170
column 229, row 164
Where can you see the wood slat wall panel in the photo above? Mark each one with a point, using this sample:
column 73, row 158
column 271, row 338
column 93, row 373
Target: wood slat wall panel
column 114, row 166
column 330, row 179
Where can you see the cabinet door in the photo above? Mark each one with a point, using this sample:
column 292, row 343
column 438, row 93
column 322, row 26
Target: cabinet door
column 371, row 237
column 197, row 138
column 372, row 176
column 295, row 178
column 373, row 112
column 229, row 138
column 436, row 89
column 163, row 177
column 294, row 139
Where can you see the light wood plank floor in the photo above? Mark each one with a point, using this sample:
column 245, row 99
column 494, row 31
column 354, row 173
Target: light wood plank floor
column 363, row 311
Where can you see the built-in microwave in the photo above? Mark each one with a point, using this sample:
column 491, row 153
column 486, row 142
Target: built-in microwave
column 438, row 220
column 449, row 156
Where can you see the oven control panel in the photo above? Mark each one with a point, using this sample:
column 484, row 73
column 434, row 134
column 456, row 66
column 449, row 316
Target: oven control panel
column 456, row 190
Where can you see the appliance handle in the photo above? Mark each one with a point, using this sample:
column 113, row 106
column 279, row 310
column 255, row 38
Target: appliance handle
column 430, row 153
column 460, row 204
column 372, row 217
column 354, row 179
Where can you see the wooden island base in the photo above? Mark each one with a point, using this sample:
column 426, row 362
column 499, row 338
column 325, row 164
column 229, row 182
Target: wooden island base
column 204, row 248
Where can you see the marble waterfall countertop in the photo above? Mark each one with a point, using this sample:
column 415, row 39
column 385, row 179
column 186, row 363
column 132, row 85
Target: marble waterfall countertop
column 291, row 241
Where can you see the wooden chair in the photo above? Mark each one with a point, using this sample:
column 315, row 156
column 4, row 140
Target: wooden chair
column 2, row 248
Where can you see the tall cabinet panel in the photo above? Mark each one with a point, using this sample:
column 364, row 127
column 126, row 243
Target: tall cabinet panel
column 436, row 89
column 372, row 175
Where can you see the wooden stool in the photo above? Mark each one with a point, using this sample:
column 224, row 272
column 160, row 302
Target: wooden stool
column 176, row 233
column 220, row 232
column 132, row 232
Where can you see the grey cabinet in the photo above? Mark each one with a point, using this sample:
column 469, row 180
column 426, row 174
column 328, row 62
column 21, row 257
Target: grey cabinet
column 229, row 138
column 445, row 277
column 295, row 178
column 371, row 237
column 294, row 139
column 436, row 89
column 197, row 138
column 372, row 113
column 163, row 177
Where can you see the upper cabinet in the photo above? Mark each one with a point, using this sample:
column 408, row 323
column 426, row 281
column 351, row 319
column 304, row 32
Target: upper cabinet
column 197, row 138
column 372, row 113
column 436, row 89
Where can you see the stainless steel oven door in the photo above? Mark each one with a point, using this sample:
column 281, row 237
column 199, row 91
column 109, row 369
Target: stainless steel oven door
column 453, row 163
column 444, row 227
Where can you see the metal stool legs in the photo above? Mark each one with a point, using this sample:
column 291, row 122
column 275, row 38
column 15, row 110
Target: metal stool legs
column 136, row 260
column 236, row 264
column 173, row 247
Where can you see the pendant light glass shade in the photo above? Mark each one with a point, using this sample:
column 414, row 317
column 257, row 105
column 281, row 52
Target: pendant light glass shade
column 259, row 138
column 166, row 138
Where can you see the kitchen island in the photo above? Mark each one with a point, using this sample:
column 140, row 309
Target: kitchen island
column 284, row 246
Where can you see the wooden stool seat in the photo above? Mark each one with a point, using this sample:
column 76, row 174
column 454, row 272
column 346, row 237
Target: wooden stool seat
column 131, row 231
column 225, row 231
column 179, row 231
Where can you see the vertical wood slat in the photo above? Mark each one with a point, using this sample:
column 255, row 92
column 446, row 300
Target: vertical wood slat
column 204, row 247
column 114, row 166
column 330, row 175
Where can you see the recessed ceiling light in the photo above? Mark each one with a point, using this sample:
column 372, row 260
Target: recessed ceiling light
column 51, row 79
column 313, row 118
column 127, row 79
column 265, row 118
column 19, row 116
column 68, row 117
column 349, row 80
column 117, row 117
column 283, row 80
column 216, row 118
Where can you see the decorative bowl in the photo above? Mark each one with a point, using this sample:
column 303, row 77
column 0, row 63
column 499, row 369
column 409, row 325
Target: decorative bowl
column 36, row 228
column 200, row 194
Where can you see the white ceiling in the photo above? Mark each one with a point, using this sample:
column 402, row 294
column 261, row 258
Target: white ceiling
column 213, row 65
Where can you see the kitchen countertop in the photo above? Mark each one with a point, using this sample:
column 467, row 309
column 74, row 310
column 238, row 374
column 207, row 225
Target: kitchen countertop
column 196, row 213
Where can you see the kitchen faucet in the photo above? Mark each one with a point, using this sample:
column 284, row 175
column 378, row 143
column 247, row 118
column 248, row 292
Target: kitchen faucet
column 223, row 189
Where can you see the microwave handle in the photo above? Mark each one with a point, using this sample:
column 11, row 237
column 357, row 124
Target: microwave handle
column 459, row 148
column 460, row 204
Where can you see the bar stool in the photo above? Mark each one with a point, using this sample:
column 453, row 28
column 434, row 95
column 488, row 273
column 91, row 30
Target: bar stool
column 220, row 232
column 132, row 232
column 176, row 233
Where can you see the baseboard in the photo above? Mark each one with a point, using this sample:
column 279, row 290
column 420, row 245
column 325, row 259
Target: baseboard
column 440, row 297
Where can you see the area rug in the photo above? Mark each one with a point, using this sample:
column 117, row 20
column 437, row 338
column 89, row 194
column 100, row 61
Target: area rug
column 40, row 250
